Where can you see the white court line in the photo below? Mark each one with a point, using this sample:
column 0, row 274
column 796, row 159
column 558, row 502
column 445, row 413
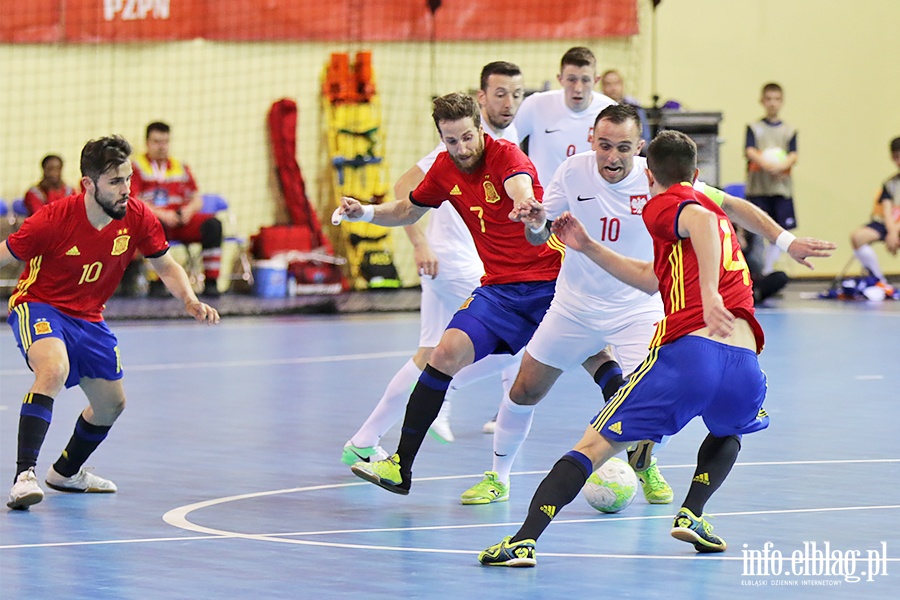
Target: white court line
column 177, row 517
column 250, row 363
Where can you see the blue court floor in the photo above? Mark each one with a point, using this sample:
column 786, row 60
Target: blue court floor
column 230, row 484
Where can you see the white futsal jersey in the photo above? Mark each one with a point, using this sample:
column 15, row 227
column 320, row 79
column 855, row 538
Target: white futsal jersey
column 611, row 213
column 555, row 131
column 447, row 235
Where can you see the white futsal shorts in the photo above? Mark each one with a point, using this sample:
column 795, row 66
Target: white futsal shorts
column 563, row 342
column 441, row 298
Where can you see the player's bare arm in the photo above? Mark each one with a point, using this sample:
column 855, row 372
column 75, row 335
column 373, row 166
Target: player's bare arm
column 525, row 207
column 527, row 210
column 701, row 225
column 176, row 281
column 636, row 273
column 6, row 257
column 755, row 220
column 392, row 214
column 426, row 261
column 539, row 237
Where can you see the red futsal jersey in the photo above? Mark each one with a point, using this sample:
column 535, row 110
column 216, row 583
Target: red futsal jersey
column 675, row 265
column 170, row 187
column 480, row 198
column 70, row 264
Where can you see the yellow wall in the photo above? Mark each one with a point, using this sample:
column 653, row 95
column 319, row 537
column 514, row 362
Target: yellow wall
column 836, row 65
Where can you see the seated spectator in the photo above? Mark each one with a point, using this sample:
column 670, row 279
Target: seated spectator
column 50, row 188
column 884, row 226
column 168, row 187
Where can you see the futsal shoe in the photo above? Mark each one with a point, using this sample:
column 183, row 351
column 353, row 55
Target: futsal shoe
column 697, row 531
column 25, row 491
column 490, row 426
column 353, row 454
column 383, row 473
column 490, row 489
column 440, row 429
column 656, row 489
column 82, row 482
column 509, row 554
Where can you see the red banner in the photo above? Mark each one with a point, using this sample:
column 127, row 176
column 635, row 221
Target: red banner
column 35, row 21
column 307, row 20
column 86, row 21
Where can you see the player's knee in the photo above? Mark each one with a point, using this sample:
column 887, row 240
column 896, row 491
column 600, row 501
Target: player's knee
column 211, row 233
column 525, row 394
column 110, row 409
column 51, row 374
column 449, row 359
column 119, row 406
column 422, row 357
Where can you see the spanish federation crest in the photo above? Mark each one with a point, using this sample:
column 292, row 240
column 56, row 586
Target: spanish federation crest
column 42, row 327
column 490, row 193
column 120, row 245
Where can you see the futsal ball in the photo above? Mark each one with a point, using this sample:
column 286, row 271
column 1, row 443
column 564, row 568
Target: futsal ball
column 874, row 293
column 612, row 487
column 776, row 156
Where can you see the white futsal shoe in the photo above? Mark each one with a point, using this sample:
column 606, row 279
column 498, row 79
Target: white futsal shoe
column 83, row 482
column 25, row 491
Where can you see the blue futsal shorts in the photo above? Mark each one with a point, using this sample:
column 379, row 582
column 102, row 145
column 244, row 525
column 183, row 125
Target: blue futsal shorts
column 92, row 348
column 689, row 377
column 501, row 318
column 879, row 228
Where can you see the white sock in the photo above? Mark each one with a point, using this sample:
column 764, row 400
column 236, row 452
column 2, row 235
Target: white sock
column 390, row 408
column 866, row 255
column 487, row 366
column 513, row 425
column 508, row 377
column 772, row 254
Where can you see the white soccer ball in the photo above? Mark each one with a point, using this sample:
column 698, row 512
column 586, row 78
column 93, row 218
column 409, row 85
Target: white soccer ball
column 612, row 487
column 776, row 156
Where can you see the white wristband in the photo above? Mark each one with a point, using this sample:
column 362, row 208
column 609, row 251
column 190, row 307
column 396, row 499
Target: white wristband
column 368, row 213
column 539, row 227
column 784, row 239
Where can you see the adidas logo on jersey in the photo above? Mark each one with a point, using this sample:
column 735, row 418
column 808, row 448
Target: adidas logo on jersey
column 616, row 427
column 702, row 478
column 73, row 251
column 548, row 510
column 455, row 191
